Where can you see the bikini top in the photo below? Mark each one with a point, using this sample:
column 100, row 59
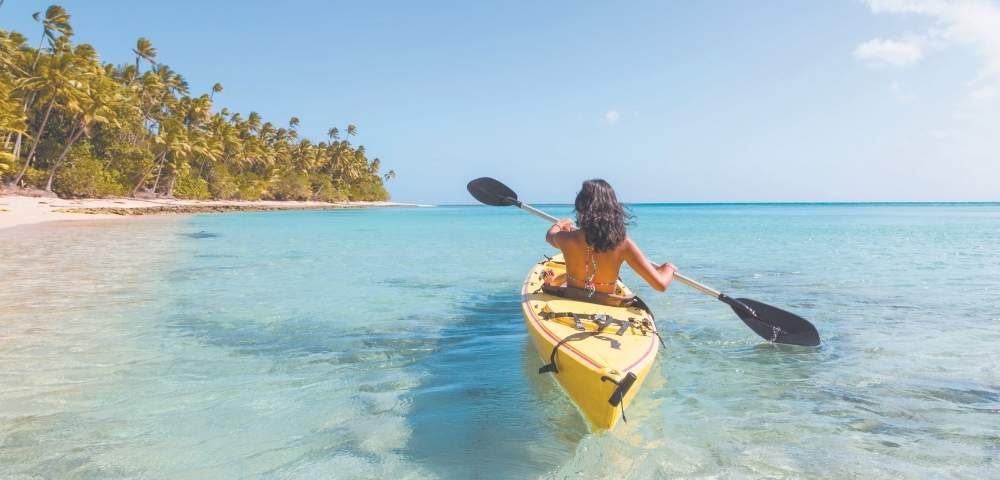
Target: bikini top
column 591, row 270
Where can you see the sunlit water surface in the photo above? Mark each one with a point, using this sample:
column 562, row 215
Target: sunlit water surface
column 389, row 344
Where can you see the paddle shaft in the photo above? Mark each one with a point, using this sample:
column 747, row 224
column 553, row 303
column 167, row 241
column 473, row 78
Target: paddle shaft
column 684, row 279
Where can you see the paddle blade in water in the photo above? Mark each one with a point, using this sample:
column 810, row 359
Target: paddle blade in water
column 491, row 192
column 776, row 325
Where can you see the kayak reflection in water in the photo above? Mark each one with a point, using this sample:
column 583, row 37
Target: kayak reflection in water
column 595, row 252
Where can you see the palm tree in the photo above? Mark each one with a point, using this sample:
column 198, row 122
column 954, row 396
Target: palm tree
column 57, row 81
column 56, row 21
column 128, row 73
column 253, row 122
column 55, row 25
column 267, row 132
column 352, row 130
column 144, row 51
column 172, row 144
column 217, row 88
column 173, row 81
column 148, row 129
column 208, row 145
column 95, row 104
column 13, row 119
column 391, row 174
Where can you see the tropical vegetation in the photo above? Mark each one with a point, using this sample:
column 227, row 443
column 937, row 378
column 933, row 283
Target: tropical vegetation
column 76, row 126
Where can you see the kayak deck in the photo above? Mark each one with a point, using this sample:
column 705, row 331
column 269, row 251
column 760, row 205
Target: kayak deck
column 601, row 355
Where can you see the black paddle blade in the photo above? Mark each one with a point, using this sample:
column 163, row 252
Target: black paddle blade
column 491, row 192
column 774, row 324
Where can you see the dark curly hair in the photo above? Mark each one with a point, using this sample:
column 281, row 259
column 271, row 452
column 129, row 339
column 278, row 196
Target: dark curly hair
column 600, row 216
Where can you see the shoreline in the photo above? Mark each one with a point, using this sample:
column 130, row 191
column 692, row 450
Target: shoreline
column 16, row 210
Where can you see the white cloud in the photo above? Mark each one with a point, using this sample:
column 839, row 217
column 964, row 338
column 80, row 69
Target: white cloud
column 612, row 117
column 895, row 53
column 974, row 24
column 968, row 135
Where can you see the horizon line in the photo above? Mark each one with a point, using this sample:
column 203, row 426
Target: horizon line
column 775, row 203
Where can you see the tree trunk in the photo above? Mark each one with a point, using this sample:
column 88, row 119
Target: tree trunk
column 142, row 180
column 17, row 156
column 159, row 172
column 74, row 135
column 17, row 151
column 201, row 167
column 38, row 51
column 34, row 146
column 138, row 185
column 52, row 175
column 170, row 186
column 27, row 105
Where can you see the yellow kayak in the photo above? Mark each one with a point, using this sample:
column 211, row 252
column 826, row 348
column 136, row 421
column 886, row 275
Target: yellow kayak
column 599, row 354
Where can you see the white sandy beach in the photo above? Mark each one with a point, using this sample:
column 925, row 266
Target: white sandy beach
column 23, row 210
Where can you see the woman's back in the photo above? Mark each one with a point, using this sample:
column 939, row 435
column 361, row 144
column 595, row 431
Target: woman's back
column 582, row 261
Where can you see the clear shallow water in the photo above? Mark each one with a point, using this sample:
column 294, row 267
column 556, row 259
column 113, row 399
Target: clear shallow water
column 389, row 343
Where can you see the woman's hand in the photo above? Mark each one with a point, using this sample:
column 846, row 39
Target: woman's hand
column 667, row 269
column 666, row 274
column 565, row 225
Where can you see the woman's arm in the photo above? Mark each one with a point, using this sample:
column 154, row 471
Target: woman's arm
column 552, row 236
column 657, row 277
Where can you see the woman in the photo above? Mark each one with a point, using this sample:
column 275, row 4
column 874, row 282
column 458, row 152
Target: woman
column 595, row 252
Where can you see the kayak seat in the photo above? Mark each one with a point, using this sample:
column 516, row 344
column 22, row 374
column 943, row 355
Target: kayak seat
column 606, row 299
column 582, row 295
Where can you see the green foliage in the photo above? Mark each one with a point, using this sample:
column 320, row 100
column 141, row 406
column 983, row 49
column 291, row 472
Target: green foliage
column 86, row 177
column 250, row 186
column 192, row 187
column 222, row 185
column 6, row 163
column 292, row 186
column 35, row 177
column 326, row 191
column 146, row 132
column 368, row 189
column 128, row 162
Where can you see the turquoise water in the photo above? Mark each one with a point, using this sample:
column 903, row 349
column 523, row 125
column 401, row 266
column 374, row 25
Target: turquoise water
column 389, row 343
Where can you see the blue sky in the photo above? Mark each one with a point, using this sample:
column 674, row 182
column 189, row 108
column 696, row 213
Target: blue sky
column 670, row 101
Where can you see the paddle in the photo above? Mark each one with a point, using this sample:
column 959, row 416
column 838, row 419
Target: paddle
column 771, row 323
